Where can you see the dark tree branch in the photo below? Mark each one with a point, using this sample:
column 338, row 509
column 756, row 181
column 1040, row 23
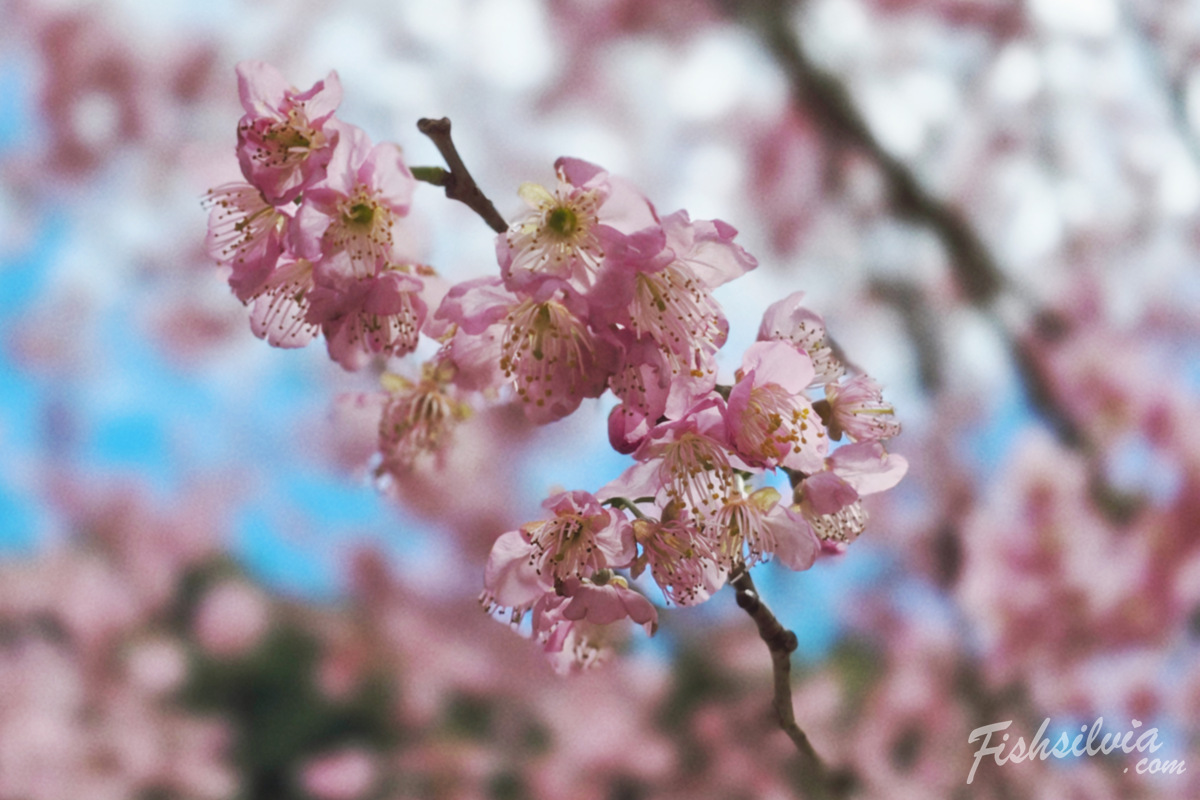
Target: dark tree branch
column 920, row 324
column 781, row 642
column 458, row 182
column 829, row 103
column 976, row 271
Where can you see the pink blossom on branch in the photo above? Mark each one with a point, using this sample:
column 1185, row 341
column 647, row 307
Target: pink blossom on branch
column 790, row 321
column 246, row 233
column 858, row 410
column 686, row 462
column 665, row 295
column 831, row 499
column 684, row 561
column 594, row 291
column 279, row 308
column 380, row 314
column 285, row 139
column 354, row 210
column 756, row 526
column 417, row 419
column 771, row 423
column 565, row 235
column 544, row 347
column 580, row 538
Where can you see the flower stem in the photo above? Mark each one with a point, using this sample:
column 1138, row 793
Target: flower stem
column 432, row 175
column 458, row 182
column 621, row 502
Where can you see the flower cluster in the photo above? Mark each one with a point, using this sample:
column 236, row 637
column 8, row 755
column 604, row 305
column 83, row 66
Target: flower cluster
column 686, row 510
column 596, row 291
column 308, row 236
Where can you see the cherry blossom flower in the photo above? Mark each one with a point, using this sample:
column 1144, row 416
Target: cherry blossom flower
column 246, row 233
column 580, row 538
column 286, row 138
column 643, row 381
column 571, row 645
column 417, row 418
column 359, row 317
column 529, row 565
column 543, row 347
column 552, row 358
column 565, row 234
column 355, row 209
column 683, row 561
column 684, row 461
column 510, row 579
column 857, row 410
column 787, row 320
column 771, row 422
column 279, row 310
column 666, row 294
column 831, row 499
column 755, row 526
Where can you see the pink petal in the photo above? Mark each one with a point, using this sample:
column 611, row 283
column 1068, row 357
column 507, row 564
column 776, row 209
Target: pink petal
column 323, row 98
column 384, row 169
column 779, row 363
column 827, row 493
column 796, row 545
column 476, row 304
column 509, row 577
column 261, row 87
column 868, row 467
column 576, row 171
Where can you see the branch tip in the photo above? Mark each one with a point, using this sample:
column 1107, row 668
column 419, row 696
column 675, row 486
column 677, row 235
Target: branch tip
column 458, row 182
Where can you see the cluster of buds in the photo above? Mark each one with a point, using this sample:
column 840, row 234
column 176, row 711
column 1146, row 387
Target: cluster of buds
column 596, row 291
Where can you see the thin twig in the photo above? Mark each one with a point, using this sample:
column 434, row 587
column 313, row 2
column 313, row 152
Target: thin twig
column 458, row 182
column 781, row 642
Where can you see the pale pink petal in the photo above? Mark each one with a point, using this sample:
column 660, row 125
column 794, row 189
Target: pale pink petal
column 779, row 363
column 707, row 248
column 868, row 467
column 323, row 98
column 509, row 577
column 475, row 305
column 385, row 170
column 615, row 539
column 261, row 87
column 796, row 545
column 827, row 493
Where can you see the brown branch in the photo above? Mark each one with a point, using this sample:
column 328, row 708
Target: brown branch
column 829, row 103
column 920, row 323
column 781, row 642
column 975, row 269
column 458, row 182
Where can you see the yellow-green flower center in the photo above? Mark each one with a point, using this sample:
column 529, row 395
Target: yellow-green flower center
column 563, row 221
column 360, row 214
